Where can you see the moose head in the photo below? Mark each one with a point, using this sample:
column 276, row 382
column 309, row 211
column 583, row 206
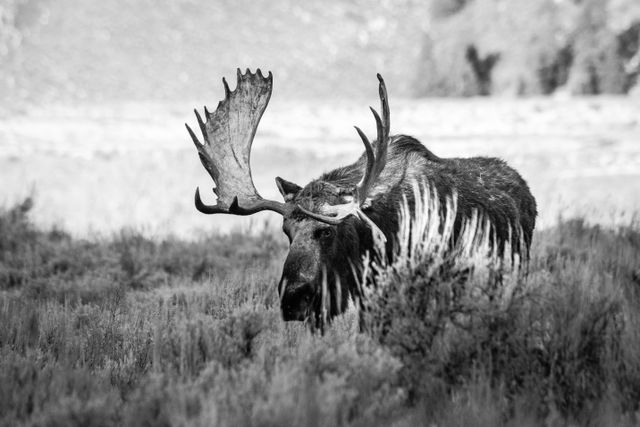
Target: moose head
column 326, row 221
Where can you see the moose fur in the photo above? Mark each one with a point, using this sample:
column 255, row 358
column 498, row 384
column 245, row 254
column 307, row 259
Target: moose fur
column 487, row 185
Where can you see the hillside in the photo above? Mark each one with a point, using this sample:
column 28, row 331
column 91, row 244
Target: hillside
column 144, row 50
column 164, row 50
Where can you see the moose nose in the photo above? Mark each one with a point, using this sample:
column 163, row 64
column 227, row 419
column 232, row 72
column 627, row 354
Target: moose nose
column 297, row 301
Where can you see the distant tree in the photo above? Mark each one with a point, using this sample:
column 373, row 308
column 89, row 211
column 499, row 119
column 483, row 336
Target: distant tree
column 482, row 68
column 444, row 8
column 598, row 66
column 629, row 51
column 9, row 35
column 555, row 74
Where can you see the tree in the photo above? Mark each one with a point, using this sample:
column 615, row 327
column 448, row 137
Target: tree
column 598, row 66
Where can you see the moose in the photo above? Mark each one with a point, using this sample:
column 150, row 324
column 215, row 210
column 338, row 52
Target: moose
column 332, row 222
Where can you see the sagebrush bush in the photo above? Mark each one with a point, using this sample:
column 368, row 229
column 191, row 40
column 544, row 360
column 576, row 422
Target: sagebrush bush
column 548, row 339
column 52, row 262
column 127, row 330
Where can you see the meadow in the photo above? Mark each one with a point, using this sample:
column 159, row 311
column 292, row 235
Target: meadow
column 126, row 329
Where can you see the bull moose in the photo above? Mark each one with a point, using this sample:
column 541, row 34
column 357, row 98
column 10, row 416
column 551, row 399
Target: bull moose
column 332, row 221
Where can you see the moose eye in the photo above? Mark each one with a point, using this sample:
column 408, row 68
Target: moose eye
column 324, row 233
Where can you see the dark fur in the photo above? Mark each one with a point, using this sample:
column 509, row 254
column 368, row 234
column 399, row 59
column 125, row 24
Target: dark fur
column 485, row 184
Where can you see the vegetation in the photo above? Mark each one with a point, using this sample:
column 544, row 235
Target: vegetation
column 131, row 331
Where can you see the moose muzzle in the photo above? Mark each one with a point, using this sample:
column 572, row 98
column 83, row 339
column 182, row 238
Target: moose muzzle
column 298, row 285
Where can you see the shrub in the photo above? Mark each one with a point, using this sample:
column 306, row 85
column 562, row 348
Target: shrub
column 454, row 337
column 542, row 344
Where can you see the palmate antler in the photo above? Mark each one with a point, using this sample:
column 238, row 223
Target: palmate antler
column 376, row 160
column 228, row 134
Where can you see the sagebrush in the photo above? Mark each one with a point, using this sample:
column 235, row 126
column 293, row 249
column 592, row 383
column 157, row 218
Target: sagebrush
column 127, row 330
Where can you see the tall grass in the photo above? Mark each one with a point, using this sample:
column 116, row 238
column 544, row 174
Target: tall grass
column 128, row 330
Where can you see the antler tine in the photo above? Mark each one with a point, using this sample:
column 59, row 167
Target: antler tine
column 376, row 163
column 203, row 128
column 202, row 154
column 379, row 125
column 384, row 103
column 380, row 156
column 383, row 125
column 206, row 209
column 227, row 91
column 371, row 159
column 195, row 139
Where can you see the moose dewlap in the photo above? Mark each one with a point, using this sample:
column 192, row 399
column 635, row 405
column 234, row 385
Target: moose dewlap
column 333, row 221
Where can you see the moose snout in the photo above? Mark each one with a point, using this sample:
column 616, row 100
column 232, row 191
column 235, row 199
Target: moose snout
column 297, row 301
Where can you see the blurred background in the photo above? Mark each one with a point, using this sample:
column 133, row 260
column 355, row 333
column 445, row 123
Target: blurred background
column 94, row 94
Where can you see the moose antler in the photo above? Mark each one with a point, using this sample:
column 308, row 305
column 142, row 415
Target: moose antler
column 228, row 134
column 376, row 160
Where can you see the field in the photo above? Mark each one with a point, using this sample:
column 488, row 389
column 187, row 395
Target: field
column 121, row 305
column 127, row 330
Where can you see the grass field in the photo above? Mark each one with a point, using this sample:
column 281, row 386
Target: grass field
column 127, row 330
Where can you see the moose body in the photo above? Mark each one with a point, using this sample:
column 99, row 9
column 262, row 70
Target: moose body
column 333, row 221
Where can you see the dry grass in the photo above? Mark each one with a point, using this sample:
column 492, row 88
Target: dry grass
column 132, row 331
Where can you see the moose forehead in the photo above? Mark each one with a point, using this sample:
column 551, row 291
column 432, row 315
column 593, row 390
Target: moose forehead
column 316, row 194
column 299, row 224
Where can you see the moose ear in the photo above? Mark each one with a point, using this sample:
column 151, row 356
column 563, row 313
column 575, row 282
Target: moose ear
column 287, row 189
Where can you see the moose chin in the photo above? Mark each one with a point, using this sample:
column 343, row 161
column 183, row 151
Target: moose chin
column 333, row 221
